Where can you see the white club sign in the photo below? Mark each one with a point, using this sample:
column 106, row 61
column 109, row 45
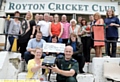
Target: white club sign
column 77, row 7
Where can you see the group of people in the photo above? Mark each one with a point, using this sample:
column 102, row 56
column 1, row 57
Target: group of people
column 79, row 39
column 66, row 67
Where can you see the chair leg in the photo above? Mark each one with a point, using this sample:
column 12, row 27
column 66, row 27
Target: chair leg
column 113, row 80
column 110, row 80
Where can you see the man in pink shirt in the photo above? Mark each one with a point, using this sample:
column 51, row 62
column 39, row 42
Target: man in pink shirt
column 66, row 29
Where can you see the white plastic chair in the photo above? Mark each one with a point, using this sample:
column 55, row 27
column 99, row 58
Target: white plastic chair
column 112, row 71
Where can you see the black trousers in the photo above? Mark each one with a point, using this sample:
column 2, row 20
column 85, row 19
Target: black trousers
column 22, row 49
column 86, row 41
column 111, row 53
column 81, row 61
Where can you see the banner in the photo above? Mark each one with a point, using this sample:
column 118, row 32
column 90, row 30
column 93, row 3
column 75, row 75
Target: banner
column 78, row 7
column 53, row 47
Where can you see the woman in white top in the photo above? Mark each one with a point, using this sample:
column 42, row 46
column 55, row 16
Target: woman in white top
column 74, row 28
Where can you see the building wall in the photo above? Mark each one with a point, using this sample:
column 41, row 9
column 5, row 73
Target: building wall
column 82, row 6
column 4, row 6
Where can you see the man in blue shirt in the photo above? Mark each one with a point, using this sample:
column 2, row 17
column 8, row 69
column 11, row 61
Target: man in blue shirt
column 32, row 45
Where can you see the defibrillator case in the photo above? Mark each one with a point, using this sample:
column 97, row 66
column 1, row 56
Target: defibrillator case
column 49, row 61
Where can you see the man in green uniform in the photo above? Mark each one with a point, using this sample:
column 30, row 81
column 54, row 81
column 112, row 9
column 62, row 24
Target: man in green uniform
column 66, row 67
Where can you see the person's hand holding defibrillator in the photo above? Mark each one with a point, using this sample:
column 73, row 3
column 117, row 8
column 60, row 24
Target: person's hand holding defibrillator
column 55, row 69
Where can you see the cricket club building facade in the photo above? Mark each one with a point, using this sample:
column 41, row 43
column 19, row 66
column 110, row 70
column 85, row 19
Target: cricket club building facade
column 72, row 8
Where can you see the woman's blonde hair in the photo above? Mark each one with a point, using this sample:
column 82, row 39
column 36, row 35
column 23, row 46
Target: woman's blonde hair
column 31, row 14
column 38, row 49
column 97, row 14
column 113, row 14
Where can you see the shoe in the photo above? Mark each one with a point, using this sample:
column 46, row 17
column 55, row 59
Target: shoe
column 82, row 71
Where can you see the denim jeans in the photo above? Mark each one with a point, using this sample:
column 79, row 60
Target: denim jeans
column 111, row 53
column 11, row 39
column 28, row 56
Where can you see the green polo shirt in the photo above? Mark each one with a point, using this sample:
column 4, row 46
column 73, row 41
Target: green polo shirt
column 67, row 65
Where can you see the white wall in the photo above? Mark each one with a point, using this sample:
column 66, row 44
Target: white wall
column 2, row 13
column 7, row 69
